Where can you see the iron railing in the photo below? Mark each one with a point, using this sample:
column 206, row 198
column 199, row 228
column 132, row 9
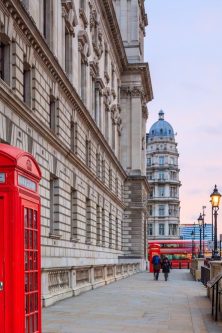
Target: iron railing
column 205, row 275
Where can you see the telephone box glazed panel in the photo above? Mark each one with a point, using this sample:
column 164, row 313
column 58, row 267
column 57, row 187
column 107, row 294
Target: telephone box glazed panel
column 20, row 271
column 154, row 249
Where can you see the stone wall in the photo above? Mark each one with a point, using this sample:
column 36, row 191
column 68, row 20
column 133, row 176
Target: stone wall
column 71, row 281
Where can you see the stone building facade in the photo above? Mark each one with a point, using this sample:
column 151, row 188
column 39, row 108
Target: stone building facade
column 73, row 92
column 163, row 176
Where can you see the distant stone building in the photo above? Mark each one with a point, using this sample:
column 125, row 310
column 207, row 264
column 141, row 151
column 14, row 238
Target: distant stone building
column 163, row 175
column 73, row 92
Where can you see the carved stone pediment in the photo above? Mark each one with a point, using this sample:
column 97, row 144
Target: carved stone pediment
column 100, row 84
column 94, row 69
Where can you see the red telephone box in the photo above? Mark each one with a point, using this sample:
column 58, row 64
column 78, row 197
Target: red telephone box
column 154, row 249
column 20, row 272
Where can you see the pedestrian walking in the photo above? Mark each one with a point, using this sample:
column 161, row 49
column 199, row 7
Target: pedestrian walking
column 166, row 267
column 156, row 266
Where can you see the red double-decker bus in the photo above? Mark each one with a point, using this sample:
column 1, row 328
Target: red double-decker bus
column 179, row 251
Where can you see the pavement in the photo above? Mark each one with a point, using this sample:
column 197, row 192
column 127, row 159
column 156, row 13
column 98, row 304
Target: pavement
column 137, row 304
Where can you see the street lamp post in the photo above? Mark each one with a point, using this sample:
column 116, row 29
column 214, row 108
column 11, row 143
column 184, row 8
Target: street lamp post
column 215, row 201
column 193, row 237
column 200, row 222
column 203, row 224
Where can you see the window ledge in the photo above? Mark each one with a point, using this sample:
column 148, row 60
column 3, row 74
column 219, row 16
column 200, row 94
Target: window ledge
column 55, row 235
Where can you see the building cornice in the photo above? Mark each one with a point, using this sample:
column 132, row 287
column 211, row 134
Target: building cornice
column 109, row 14
column 40, row 47
column 143, row 70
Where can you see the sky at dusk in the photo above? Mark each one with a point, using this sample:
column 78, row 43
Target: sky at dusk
column 183, row 46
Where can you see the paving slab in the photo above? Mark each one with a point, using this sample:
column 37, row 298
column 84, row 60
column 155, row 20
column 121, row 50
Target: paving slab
column 137, row 304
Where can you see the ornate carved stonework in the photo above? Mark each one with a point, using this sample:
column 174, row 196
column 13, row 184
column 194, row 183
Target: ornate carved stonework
column 82, row 15
column 100, row 85
column 97, row 40
column 113, row 92
column 84, row 46
column 145, row 111
column 69, row 14
column 136, row 91
column 94, row 69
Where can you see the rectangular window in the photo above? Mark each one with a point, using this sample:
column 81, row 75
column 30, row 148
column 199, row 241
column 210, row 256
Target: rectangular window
column 118, row 91
column 117, row 233
column 83, row 81
column 103, row 171
column 161, row 210
column 74, row 230
column 47, row 17
column 116, row 185
column 106, row 61
column 68, row 53
column 150, row 229
column 151, row 192
column 161, row 160
column 173, row 192
column 5, row 62
column 112, row 77
column 27, row 84
column 173, row 175
column 148, row 161
column 172, row 229
column 73, row 137
column 150, row 210
column 98, row 165
column 150, row 175
column 161, row 175
column 173, row 210
column 98, row 225
column 110, row 230
column 171, row 160
column 103, row 227
column 161, row 191
column 88, row 221
column 110, row 179
column 54, row 205
column 88, row 153
column 93, row 98
column 161, row 229
column 98, row 99
column 2, row 61
column 52, row 115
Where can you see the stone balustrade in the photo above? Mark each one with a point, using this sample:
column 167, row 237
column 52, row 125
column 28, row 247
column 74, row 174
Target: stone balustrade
column 215, row 269
column 61, row 283
column 195, row 268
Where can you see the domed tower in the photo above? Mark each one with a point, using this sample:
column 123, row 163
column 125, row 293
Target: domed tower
column 163, row 177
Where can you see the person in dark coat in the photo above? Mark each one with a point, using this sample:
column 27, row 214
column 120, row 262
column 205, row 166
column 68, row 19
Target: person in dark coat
column 166, row 267
column 156, row 266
